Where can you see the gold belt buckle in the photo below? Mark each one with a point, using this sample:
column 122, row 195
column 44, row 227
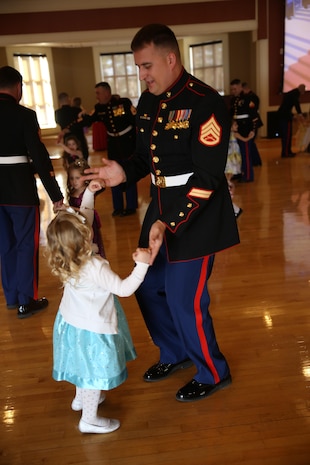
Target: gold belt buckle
column 160, row 181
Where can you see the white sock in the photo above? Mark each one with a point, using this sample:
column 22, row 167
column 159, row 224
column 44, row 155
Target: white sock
column 79, row 394
column 90, row 407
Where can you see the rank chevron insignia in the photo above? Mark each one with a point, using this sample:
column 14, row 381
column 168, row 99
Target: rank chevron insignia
column 210, row 132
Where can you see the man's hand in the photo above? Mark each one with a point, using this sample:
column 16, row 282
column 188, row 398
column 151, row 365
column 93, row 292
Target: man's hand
column 156, row 237
column 111, row 173
column 61, row 135
column 58, row 205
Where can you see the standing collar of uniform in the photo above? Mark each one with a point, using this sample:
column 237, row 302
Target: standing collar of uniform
column 113, row 102
column 176, row 86
column 4, row 96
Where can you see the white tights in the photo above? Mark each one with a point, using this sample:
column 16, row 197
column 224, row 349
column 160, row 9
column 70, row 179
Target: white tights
column 90, row 399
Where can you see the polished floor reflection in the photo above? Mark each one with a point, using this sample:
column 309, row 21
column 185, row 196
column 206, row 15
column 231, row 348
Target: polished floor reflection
column 260, row 304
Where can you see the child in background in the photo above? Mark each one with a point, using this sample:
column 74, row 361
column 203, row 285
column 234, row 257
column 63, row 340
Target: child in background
column 91, row 338
column 76, row 189
column 72, row 150
column 233, row 164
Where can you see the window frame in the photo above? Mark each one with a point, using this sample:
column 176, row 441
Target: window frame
column 38, row 51
column 205, row 66
column 37, row 84
column 112, row 79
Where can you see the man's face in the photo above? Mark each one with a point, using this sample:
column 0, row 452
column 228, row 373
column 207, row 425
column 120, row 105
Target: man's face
column 103, row 95
column 154, row 68
column 235, row 89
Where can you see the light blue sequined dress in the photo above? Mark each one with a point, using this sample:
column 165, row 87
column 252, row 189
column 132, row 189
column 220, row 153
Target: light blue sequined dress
column 233, row 164
column 90, row 360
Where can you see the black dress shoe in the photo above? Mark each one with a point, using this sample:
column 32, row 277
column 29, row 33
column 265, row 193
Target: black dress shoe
column 161, row 371
column 34, row 306
column 289, row 155
column 195, row 391
column 117, row 213
column 129, row 211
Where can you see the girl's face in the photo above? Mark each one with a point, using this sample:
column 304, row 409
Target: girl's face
column 75, row 179
column 234, row 126
column 71, row 144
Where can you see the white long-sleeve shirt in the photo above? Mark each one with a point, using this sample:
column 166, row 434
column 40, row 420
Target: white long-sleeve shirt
column 89, row 302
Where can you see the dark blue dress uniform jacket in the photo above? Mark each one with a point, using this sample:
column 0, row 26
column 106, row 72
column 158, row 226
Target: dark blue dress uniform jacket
column 20, row 135
column 246, row 104
column 186, row 130
column 117, row 116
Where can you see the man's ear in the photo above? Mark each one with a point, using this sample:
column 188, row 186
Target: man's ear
column 18, row 91
column 171, row 59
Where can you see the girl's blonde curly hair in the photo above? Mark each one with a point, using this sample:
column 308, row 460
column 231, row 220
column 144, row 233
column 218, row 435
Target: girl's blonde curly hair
column 69, row 245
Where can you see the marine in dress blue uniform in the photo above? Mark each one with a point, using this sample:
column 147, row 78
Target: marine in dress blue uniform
column 182, row 140
column 118, row 116
column 22, row 154
column 183, row 132
column 256, row 159
column 245, row 111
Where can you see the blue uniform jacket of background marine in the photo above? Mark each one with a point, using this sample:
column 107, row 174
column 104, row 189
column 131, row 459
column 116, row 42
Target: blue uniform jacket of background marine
column 20, row 135
column 186, row 130
column 118, row 115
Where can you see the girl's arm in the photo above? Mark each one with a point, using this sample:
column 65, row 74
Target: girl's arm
column 78, row 153
column 88, row 201
column 66, row 149
column 107, row 279
column 245, row 139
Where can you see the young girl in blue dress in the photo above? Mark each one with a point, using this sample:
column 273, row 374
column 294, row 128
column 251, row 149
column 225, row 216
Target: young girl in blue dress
column 233, row 164
column 91, row 338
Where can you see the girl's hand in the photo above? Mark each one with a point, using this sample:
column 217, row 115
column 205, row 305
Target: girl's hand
column 95, row 185
column 142, row 255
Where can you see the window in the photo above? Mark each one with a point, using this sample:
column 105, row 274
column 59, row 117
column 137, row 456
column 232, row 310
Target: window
column 119, row 70
column 207, row 64
column 37, row 92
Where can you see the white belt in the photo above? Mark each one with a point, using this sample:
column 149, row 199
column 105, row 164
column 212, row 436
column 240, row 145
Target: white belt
column 170, row 181
column 14, row 160
column 121, row 133
column 241, row 116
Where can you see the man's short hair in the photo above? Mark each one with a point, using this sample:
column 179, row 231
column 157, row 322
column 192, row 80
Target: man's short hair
column 235, row 82
column 158, row 34
column 9, row 77
column 103, row 84
column 63, row 96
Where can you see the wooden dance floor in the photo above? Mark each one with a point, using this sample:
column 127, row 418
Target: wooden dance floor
column 260, row 304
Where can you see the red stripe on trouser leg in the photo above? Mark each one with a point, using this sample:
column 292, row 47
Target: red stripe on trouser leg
column 199, row 319
column 247, row 156
column 36, row 240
